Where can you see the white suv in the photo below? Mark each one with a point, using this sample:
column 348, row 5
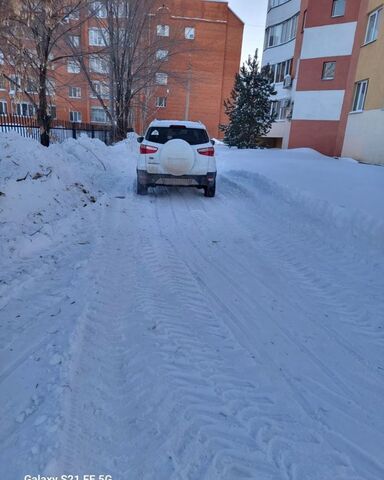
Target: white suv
column 175, row 153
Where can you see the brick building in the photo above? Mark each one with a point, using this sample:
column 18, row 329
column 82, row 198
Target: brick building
column 198, row 79
column 332, row 53
column 193, row 83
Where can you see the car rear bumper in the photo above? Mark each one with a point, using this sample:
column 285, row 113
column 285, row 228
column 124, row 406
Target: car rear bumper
column 156, row 179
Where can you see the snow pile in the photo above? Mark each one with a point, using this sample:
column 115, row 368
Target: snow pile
column 43, row 189
column 341, row 192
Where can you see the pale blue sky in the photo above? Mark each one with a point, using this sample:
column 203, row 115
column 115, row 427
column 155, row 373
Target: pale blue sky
column 253, row 13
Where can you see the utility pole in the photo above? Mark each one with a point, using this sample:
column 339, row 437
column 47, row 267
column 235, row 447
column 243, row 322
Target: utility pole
column 189, row 87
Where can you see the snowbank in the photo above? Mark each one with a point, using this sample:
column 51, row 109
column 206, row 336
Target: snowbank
column 43, row 189
column 346, row 193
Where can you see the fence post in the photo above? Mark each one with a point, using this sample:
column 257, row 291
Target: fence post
column 92, row 131
column 74, row 131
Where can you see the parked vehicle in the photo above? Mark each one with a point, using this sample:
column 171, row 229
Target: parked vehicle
column 176, row 153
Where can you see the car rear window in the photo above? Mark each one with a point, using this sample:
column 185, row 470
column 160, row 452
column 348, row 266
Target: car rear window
column 194, row 136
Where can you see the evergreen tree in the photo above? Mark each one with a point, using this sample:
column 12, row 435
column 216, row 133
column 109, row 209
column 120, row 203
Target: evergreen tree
column 249, row 106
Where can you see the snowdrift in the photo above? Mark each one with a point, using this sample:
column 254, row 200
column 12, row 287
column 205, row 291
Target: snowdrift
column 43, row 191
column 339, row 192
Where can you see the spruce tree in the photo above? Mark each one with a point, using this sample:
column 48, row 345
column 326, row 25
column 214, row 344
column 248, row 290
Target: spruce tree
column 249, row 106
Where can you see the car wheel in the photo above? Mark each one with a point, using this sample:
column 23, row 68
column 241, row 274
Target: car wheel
column 141, row 189
column 210, row 190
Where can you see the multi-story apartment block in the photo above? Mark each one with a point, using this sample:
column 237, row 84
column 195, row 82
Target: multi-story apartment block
column 336, row 100
column 193, row 83
column 364, row 137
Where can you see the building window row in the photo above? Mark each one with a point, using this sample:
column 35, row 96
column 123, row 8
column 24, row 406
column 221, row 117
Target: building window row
column 281, row 33
column 97, row 64
column 98, row 115
column 98, row 37
column 17, row 85
column 164, row 31
column 25, row 109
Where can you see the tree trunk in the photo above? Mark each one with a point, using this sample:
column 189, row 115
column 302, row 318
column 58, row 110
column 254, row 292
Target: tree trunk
column 43, row 119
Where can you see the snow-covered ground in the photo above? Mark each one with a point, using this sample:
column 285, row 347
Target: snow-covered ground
column 179, row 337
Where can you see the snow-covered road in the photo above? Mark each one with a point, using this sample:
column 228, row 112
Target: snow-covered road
column 178, row 337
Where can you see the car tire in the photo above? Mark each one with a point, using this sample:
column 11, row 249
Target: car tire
column 210, row 190
column 141, row 189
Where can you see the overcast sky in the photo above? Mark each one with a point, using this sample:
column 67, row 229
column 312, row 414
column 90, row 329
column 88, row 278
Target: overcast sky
column 253, row 13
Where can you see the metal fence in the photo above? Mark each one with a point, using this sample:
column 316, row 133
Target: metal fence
column 60, row 129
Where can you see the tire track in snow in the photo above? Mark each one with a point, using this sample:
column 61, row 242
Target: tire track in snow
column 340, row 255
column 213, row 266
column 168, row 233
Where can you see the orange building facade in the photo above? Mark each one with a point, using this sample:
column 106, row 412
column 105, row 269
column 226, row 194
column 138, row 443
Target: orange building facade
column 201, row 76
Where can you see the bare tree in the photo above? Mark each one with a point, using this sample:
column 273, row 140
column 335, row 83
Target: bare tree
column 34, row 37
column 133, row 52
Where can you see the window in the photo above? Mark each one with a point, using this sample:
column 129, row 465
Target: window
column 161, row 135
column 373, row 26
column 14, row 84
column 74, row 40
column 162, row 55
column 123, row 10
column 51, row 86
column 25, row 109
column 73, row 66
column 98, row 115
column 75, row 117
column 276, row 3
column 280, row 70
column 161, row 78
column 74, row 92
column 189, row 33
column 338, row 8
column 73, row 14
column 30, row 86
column 280, row 108
column 161, row 102
column 98, row 9
column 52, row 111
column 3, row 107
column 1, row 58
column 2, row 83
column 360, row 95
column 162, row 30
column 281, row 33
column 98, row 64
column 98, row 37
column 329, row 69
column 100, row 88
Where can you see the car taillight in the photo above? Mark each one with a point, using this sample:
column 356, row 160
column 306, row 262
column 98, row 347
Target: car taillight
column 147, row 149
column 209, row 151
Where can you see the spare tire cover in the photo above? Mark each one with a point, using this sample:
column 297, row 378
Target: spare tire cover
column 177, row 157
